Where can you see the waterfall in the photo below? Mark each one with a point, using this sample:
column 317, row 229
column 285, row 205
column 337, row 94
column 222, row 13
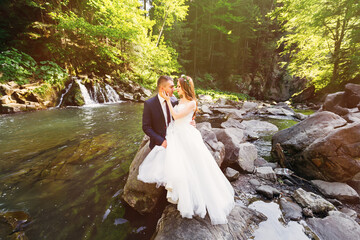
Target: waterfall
column 111, row 94
column 98, row 94
column 62, row 95
column 85, row 93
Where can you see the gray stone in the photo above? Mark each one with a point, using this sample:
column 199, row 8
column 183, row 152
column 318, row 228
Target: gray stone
column 337, row 190
column 141, row 196
column 290, row 209
column 316, row 203
column 216, row 147
column 335, row 227
column 247, row 156
column 349, row 212
column 236, row 114
column 205, row 109
column 249, row 106
column 241, row 222
column 254, row 182
column 260, row 126
column 266, row 173
column 301, row 116
column 284, row 172
column 267, row 191
column 231, row 174
column 232, row 123
column 307, row 212
column 231, row 138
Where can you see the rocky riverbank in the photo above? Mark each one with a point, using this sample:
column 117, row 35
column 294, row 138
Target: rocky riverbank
column 78, row 91
column 314, row 181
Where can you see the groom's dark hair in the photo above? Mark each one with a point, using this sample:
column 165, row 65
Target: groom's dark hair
column 162, row 80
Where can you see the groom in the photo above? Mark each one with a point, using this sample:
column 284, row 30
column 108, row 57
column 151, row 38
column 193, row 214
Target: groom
column 156, row 115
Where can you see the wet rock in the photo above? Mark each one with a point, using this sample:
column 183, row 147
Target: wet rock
column 316, row 203
column 335, row 227
column 260, row 126
column 266, row 173
column 288, row 182
column 18, row 221
column 246, row 157
column 254, row 182
column 283, row 172
column 216, row 147
column 268, row 191
column 337, row 190
column 231, row 174
column 141, row 196
column 290, row 209
column 74, row 96
column 241, row 222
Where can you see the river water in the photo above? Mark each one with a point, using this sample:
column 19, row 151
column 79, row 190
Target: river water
column 66, row 168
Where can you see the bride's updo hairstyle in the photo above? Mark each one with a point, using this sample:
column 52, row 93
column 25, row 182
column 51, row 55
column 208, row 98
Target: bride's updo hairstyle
column 187, row 85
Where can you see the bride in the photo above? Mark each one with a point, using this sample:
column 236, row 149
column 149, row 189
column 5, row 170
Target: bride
column 185, row 167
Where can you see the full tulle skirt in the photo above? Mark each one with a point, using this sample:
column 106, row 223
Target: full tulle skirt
column 190, row 175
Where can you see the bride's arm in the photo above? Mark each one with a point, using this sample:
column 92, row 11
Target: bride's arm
column 189, row 107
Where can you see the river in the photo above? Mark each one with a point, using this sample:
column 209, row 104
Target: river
column 66, row 168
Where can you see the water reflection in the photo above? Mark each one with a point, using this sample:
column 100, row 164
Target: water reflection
column 275, row 227
column 66, row 169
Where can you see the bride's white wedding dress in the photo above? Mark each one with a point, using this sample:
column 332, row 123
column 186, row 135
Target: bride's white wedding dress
column 189, row 173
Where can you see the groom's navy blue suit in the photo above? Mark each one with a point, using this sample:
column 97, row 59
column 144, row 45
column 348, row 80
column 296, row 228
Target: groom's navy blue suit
column 153, row 121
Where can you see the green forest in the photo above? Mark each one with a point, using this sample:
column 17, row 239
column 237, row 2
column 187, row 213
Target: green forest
column 245, row 46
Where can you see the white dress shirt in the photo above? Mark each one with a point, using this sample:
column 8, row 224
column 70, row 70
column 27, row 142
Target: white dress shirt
column 163, row 106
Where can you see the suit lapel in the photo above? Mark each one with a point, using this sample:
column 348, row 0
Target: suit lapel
column 159, row 109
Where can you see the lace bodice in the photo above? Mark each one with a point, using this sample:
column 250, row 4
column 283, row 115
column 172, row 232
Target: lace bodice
column 187, row 119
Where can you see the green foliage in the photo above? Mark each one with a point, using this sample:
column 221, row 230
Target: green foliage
column 216, row 94
column 16, row 66
column 320, row 39
column 52, row 74
column 20, row 67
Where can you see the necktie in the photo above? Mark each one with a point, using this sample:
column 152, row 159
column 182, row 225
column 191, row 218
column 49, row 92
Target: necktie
column 167, row 113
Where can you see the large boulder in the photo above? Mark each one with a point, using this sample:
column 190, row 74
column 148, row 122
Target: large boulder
column 241, row 223
column 337, row 190
column 351, row 96
column 231, row 138
column 333, row 227
column 141, row 196
column 309, row 147
column 216, row 147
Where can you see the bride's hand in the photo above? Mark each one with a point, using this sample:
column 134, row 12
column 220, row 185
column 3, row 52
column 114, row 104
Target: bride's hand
column 165, row 96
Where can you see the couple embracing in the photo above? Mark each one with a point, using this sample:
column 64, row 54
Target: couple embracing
column 179, row 159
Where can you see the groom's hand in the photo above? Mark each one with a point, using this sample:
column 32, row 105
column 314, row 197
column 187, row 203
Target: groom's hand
column 193, row 123
column 164, row 144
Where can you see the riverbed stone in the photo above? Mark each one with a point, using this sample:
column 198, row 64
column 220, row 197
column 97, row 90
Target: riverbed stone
column 232, row 123
column 141, row 196
column 249, row 106
column 231, row 174
column 268, row 191
column 301, row 116
column 335, row 227
column 216, row 147
column 266, row 173
column 241, row 222
column 316, row 203
column 231, row 138
column 290, row 209
column 337, row 190
column 254, row 182
column 260, row 127
column 247, row 156
column 205, row 109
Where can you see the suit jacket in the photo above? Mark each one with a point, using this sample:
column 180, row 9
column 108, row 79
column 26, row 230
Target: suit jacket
column 153, row 121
